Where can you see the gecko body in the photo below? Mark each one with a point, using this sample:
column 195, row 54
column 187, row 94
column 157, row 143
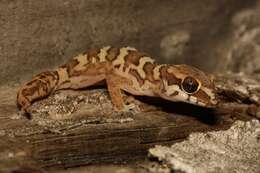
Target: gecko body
column 123, row 69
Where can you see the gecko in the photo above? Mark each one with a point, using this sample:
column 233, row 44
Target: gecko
column 123, row 69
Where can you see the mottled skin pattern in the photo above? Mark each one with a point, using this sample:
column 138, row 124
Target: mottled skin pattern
column 124, row 69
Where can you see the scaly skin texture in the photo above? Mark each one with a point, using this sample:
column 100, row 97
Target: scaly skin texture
column 124, row 69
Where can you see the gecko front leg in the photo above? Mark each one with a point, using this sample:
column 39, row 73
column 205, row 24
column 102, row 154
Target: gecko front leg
column 115, row 84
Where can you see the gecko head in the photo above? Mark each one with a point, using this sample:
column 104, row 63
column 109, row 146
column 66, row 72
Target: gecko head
column 188, row 84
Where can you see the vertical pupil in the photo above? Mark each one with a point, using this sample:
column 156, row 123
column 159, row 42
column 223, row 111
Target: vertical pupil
column 190, row 85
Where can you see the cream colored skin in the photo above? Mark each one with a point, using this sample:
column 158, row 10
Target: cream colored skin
column 124, row 69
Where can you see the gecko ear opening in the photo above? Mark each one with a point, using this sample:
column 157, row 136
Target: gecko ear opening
column 190, row 85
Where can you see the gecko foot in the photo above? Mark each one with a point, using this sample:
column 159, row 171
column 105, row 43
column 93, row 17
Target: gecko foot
column 126, row 108
column 26, row 114
column 129, row 107
column 131, row 104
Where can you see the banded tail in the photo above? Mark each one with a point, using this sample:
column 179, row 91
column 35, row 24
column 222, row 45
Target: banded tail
column 39, row 87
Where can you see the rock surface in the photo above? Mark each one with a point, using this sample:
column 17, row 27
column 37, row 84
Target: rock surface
column 234, row 150
column 243, row 56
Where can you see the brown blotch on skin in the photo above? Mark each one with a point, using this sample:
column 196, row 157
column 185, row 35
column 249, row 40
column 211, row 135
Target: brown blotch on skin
column 174, row 94
column 112, row 54
column 41, row 86
column 45, row 85
column 53, row 77
column 52, row 74
column 169, row 77
column 37, row 85
column 49, row 77
column 57, row 77
column 124, row 68
column 117, row 66
column 44, row 78
column 24, row 101
column 93, row 53
column 30, row 83
column 202, row 96
column 64, row 82
column 70, row 66
column 148, row 69
column 95, row 69
column 133, row 57
column 137, row 76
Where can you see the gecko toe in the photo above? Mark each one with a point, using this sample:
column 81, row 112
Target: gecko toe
column 130, row 108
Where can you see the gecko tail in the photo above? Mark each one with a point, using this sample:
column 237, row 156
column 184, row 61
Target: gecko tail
column 39, row 87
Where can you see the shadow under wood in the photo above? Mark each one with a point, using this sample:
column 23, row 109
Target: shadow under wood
column 205, row 115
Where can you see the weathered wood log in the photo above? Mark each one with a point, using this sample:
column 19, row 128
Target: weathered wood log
column 72, row 128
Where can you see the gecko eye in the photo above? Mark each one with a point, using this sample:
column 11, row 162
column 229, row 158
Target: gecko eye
column 190, row 85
